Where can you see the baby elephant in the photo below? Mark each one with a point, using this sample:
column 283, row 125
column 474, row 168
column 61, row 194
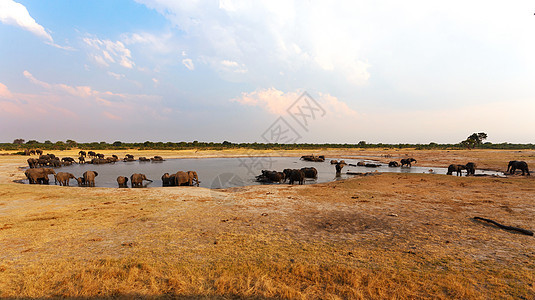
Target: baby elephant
column 63, row 178
column 122, row 181
column 136, row 180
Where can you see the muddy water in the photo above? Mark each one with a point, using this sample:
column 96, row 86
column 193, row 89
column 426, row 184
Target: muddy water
column 229, row 172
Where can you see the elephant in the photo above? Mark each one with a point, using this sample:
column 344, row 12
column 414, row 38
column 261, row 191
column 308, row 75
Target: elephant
column 456, row 168
column 311, row 172
column 181, row 178
column 68, row 159
column 81, row 160
column 39, row 175
column 136, row 180
column 42, row 162
column 166, row 179
column 122, row 181
column 157, row 158
column 32, row 162
column 515, row 164
column 407, row 161
column 27, row 152
column 143, row 158
column 56, row 163
column 81, row 181
column 115, row 157
column 100, row 155
column 297, row 175
column 338, row 168
column 63, row 178
column 89, row 178
column 44, row 156
column 32, row 152
column 38, row 151
column 52, row 156
column 334, row 162
column 342, row 162
column 470, row 168
column 361, row 164
column 91, row 154
column 194, row 178
column 82, row 153
column 271, row 176
column 393, row 164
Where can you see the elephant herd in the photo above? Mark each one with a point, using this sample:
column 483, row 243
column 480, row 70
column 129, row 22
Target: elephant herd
column 40, row 176
column 290, row 175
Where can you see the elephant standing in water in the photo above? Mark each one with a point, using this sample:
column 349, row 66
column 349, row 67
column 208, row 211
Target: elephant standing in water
column 39, row 175
column 89, row 178
column 194, row 178
column 515, row 164
column 407, row 161
column 456, row 168
column 122, row 181
column 470, row 168
column 311, row 172
column 136, row 180
column 63, row 178
column 181, row 178
column 338, row 168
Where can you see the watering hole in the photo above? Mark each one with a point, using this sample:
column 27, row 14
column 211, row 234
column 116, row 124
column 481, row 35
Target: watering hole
column 231, row 172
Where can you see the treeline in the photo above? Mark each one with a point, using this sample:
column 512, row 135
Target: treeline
column 18, row 145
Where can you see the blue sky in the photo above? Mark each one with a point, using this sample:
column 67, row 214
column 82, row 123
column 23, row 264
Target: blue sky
column 162, row 70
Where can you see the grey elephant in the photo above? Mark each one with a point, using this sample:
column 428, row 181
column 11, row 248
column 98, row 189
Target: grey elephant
column 122, row 181
column 89, row 178
column 455, row 168
column 470, row 168
column 407, row 161
column 63, row 178
column 311, row 172
column 297, row 175
column 515, row 164
column 39, row 175
column 136, row 180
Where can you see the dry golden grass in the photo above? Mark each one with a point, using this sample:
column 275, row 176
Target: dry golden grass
column 388, row 236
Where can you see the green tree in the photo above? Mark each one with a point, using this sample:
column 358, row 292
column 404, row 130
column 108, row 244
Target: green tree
column 474, row 140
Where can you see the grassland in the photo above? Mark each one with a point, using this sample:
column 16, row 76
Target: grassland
column 384, row 236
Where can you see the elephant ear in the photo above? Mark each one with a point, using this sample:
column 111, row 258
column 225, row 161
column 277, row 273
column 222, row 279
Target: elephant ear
column 126, row 179
column 96, row 174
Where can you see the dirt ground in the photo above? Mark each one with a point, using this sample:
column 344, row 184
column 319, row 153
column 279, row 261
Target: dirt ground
column 390, row 235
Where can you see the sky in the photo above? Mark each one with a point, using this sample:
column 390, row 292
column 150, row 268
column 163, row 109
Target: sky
column 267, row 71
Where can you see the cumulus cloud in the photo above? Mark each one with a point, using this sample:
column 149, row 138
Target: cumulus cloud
column 188, row 63
column 13, row 13
column 106, row 52
column 277, row 102
column 270, row 36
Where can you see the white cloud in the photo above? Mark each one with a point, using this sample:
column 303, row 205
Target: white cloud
column 277, row 102
column 189, row 64
column 13, row 13
column 116, row 76
column 270, row 37
column 107, row 52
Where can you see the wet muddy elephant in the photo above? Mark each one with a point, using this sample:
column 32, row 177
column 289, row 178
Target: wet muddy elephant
column 122, row 181
column 39, row 175
column 136, row 180
column 63, row 178
column 89, row 178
